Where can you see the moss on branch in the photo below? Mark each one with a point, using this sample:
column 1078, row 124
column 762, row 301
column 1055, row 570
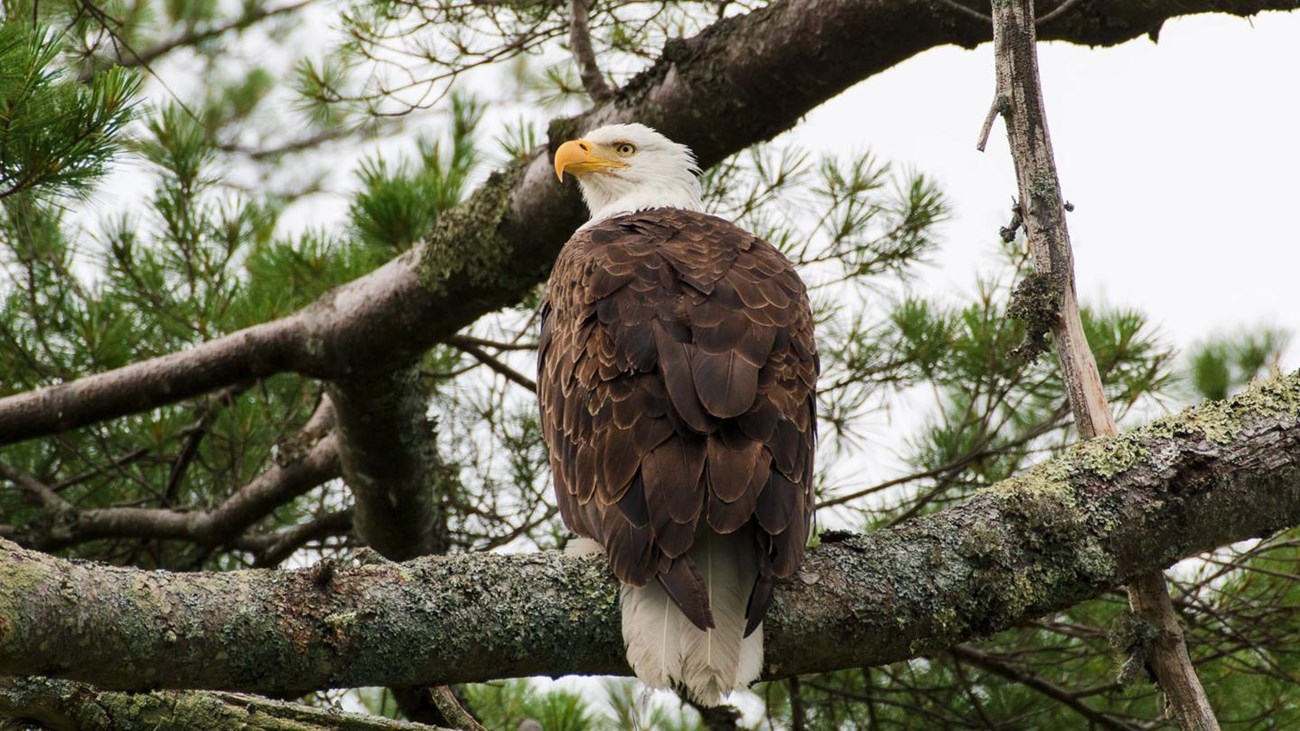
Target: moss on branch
column 1060, row 533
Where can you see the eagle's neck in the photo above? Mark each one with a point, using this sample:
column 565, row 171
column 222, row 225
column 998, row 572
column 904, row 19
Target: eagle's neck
column 608, row 196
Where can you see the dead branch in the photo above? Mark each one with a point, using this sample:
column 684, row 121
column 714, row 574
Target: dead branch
column 1019, row 98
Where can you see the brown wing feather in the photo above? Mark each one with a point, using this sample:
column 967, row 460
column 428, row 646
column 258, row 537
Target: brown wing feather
column 676, row 375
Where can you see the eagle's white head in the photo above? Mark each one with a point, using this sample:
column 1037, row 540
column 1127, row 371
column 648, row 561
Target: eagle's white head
column 623, row 168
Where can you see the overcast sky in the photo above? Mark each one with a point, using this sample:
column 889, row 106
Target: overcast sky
column 1181, row 158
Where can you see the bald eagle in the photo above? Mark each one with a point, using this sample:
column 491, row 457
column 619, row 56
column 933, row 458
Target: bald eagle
column 677, row 377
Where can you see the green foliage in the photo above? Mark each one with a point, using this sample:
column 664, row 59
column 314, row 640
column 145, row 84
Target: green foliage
column 506, row 704
column 56, row 135
column 1225, row 365
column 396, row 210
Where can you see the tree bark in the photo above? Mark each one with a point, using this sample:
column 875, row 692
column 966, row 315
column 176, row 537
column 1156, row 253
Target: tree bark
column 60, row 705
column 1109, row 510
column 741, row 81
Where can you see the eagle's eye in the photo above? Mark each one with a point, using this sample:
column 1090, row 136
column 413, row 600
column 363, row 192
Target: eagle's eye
column 625, row 149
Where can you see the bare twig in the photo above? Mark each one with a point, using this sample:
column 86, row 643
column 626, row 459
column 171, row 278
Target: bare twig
column 1043, row 212
column 193, row 438
column 995, row 665
column 999, row 102
column 60, row 704
column 495, row 364
column 193, row 36
column 1060, row 10
column 584, row 55
column 445, row 700
column 967, row 11
column 37, row 492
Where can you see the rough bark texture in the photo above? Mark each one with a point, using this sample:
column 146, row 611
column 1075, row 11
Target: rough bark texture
column 742, row 80
column 60, row 705
column 1070, row 529
column 390, row 462
column 1042, row 209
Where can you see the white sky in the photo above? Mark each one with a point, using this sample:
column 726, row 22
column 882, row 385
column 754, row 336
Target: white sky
column 1180, row 158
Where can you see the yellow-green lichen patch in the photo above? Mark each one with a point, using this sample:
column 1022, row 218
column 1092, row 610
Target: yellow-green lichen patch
column 1042, row 488
column 1109, row 456
column 20, row 579
column 1221, row 421
column 465, row 245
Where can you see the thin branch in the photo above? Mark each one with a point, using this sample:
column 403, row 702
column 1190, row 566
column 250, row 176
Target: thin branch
column 495, row 364
column 991, row 663
column 272, row 549
column 194, row 36
column 969, row 12
column 59, row 704
column 216, row 526
column 193, row 438
column 1060, row 10
column 37, row 492
column 584, row 55
column 462, row 339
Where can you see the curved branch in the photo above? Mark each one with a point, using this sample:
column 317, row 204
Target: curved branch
column 743, row 80
column 66, row 525
column 1070, row 529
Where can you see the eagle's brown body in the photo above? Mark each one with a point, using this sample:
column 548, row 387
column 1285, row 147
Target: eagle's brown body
column 677, row 378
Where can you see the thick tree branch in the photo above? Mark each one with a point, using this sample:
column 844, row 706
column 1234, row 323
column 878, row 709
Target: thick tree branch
column 390, row 462
column 63, row 706
column 1070, row 529
column 741, row 81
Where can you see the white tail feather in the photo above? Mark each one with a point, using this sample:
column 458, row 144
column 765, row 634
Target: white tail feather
column 665, row 649
column 579, row 546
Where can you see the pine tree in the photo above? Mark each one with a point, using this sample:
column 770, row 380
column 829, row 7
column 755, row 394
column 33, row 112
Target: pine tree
column 172, row 173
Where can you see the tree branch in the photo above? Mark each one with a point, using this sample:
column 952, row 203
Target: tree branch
column 1109, row 510
column 63, row 706
column 495, row 364
column 992, row 664
column 390, row 462
column 271, row 549
column 69, row 526
column 1042, row 209
column 251, row 16
column 584, row 55
column 741, row 81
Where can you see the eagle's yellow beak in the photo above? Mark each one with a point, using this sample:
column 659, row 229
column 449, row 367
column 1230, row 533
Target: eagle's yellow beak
column 582, row 156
